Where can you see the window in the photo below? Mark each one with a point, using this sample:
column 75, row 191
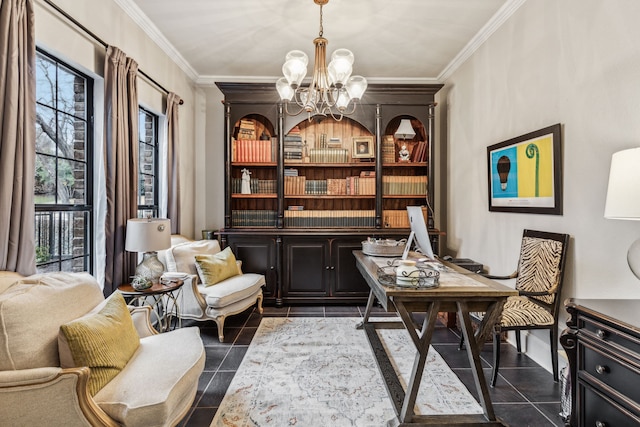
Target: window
column 148, row 164
column 64, row 170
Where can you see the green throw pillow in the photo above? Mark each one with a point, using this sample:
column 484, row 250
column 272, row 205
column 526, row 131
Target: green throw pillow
column 215, row 268
column 104, row 341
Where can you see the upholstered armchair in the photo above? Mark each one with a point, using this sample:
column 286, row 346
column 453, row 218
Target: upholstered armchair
column 210, row 299
column 134, row 376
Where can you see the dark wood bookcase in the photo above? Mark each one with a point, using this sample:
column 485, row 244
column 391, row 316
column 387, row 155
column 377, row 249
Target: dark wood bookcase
column 314, row 196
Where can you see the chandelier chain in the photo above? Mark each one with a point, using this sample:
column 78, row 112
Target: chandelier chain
column 321, row 29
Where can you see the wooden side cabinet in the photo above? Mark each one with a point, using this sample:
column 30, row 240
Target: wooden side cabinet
column 604, row 358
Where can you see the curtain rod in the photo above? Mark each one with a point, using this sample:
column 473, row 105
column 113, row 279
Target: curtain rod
column 102, row 42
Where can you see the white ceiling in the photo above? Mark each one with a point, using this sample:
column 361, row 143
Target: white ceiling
column 410, row 41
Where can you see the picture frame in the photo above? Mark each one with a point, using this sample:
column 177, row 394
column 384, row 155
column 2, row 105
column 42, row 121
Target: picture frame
column 363, row 147
column 525, row 173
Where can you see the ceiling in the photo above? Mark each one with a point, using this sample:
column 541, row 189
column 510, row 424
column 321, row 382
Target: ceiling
column 410, row 41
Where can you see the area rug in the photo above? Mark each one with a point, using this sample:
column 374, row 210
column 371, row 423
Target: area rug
column 321, row 372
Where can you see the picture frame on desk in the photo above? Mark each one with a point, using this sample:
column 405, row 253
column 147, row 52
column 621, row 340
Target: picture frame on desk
column 525, row 173
column 363, row 147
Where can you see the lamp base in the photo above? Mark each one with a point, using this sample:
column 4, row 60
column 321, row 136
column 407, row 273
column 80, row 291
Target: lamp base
column 150, row 268
column 633, row 258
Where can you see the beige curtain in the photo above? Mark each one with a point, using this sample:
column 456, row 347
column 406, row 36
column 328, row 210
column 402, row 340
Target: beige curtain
column 173, row 163
column 17, row 136
column 121, row 163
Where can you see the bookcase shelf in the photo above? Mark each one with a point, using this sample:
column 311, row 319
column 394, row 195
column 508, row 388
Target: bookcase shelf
column 328, row 186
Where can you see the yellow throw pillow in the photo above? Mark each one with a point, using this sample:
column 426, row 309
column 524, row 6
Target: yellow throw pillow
column 104, row 341
column 215, row 268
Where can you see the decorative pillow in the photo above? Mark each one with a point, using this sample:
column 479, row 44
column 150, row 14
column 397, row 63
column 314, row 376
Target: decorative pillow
column 213, row 269
column 104, row 341
column 180, row 258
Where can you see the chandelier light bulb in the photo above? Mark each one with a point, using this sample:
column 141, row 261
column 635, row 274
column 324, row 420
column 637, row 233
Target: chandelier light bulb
column 284, row 89
column 356, row 86
column 295, row 67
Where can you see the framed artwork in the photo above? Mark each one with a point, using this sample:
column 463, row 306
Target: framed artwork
column 363, row 147
column 525, row 173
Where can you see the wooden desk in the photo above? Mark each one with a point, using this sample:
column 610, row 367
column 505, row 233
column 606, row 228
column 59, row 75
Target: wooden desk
column 460, row 291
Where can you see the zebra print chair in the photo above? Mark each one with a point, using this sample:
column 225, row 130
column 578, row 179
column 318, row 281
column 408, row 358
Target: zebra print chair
column 539, row 282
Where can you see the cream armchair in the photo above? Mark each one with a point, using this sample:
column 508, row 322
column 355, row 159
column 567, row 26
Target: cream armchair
column 198, row 302
column 156, row 387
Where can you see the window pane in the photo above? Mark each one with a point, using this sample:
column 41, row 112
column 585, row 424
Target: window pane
column 45, row 130
column 61, row 241
column 73, row 142
column 45, row 185
column 71, row 93
column 45, row 81
column 71, row 182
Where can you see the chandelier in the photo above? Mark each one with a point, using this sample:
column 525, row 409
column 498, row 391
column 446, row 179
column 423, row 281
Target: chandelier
column 333, row 90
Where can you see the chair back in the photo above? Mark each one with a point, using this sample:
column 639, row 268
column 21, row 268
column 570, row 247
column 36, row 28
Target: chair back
column 541, row 265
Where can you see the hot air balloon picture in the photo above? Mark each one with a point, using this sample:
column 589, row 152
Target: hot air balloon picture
column 525, row 173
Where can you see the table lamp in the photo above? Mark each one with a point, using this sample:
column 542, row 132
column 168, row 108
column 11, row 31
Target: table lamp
column 148, row 235
column 623, row 196
column 405, row 131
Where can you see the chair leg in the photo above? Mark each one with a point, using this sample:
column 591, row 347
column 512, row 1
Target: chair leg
column 461, row 342
column 553, row 336
column 518, row 341
column 496, row 357
column 220, row 322
column 259, row 304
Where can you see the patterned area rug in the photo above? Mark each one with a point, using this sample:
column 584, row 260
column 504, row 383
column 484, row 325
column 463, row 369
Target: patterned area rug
column 321, row 371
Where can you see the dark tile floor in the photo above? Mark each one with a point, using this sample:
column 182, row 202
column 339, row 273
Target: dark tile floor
column 525, row 394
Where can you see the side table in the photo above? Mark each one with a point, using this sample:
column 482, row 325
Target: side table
column 163, row 299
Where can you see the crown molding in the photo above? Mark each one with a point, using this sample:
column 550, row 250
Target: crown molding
column 478, row 40
column 139, row 17
column 210, row 81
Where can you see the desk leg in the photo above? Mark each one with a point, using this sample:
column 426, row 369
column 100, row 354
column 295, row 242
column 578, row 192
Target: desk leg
column 422, row 342
column 367, row 311
column 474, row 359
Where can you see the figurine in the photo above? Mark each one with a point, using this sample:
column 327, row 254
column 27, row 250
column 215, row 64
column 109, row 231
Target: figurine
column 404, row 153
column 246, row 181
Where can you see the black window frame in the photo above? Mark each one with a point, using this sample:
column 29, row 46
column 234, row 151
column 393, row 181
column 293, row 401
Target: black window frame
column 149, row 209
column 51, row 210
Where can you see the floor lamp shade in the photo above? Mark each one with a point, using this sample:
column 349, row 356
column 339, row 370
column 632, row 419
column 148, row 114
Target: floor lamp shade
column 148, row 235
column 623, row 196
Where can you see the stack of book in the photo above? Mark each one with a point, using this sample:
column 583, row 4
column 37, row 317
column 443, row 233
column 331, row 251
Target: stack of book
column 329, row 155
column 293, row 146
column 398, row 218
column 258, row 186
column 315, row 186
column 253, row 218
column 329, row 218
column 388, row 149
column 419, row 153
column 336, row 187
column 294, row 185
column 247, row 129
column 253, row 150
column 404, row 185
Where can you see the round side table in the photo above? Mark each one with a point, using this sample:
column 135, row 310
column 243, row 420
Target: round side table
column 161, row 297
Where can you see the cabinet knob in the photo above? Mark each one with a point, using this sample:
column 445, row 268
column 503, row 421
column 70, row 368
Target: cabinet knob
column 602, row 369
column 601, row 334
column 333, row 268
column 600, row 423
column 327, row 268
column 272, row 267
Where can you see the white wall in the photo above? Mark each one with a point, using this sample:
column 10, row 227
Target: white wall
column 574, row 62
column 109, row 22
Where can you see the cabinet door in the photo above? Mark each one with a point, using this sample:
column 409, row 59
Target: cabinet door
column 306, row 268
column 348, row 281
column 258, row 255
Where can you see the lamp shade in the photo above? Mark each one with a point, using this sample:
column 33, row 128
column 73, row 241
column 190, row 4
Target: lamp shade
column 405, row 130
column 623, row 194
column 148, row 234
